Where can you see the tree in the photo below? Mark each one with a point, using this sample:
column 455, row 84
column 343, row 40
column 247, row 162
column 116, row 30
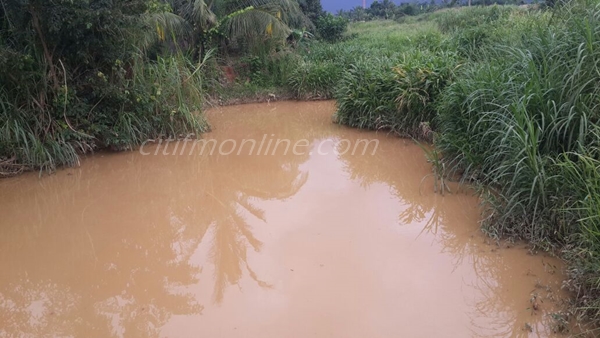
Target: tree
column 311, row 8
column 74, row 75
column 331, row 28
column 247, row 21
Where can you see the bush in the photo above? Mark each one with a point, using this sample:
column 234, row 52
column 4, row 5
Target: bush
column 331, row 28
column 459, row 19
column 523, row 121
column 318, row 75
column 396, row 95
column 315, row 80
column 366, row 94
column 89, row 85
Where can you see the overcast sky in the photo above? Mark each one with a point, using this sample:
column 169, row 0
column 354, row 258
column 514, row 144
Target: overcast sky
column 334, row 5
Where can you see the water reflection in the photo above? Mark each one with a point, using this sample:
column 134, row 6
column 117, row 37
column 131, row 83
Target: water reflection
column 128, row 244
column 494, row 275
column 112, row 243
column 234, row 184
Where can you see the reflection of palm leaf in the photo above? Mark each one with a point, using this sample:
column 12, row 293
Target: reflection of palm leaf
column 227, row 253
column 232, row 234
column 256, row 212
column 260, row 283
column 244, row 230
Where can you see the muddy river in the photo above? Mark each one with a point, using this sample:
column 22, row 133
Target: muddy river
column 277, row 224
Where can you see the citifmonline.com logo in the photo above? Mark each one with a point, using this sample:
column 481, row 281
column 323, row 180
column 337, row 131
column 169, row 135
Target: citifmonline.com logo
column 267, row 145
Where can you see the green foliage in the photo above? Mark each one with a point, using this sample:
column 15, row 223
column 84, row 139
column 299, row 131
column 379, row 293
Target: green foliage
column 367, row 93
column 511, row 96
column 317, row 76
column 388, row 10
column 311, row 8
column 454, row 20
column 523, row 121
column 473, row 29
column 271, row 70
column 331, row 28
column 323, row 64
column 581, row 175
column 73, row 79
column 421, row 77
column 312, row 80
column 250, row 25
column 394, row 94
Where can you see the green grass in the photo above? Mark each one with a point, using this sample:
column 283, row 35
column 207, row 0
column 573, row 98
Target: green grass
column 389, row 36
column 511, row 94
column 163, row 99
column 394, row 94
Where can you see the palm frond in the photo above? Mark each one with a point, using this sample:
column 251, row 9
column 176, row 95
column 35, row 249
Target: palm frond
column 163, row 26
column 254, row 23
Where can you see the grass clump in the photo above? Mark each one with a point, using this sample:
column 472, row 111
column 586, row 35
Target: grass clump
column 511, row 95
column 315, row 80
column 459, row 19
column 366, row 94
column 522, row 120
column 581, row 174
column 394, row 94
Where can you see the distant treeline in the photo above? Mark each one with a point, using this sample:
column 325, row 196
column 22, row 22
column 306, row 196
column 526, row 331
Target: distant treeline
column 388, row 10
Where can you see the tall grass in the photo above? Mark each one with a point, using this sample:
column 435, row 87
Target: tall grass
column 162, row 98
column 522, row 120
column 176, row 97
column 394, row 94
column 512, row 95
column 507, row 117
column 581, row 175
column 366, row 94
column 315, row 79
column 320, row 73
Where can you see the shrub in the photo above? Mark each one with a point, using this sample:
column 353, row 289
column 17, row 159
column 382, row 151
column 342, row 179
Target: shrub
column 459, row 19
column 312, row 80
column 397, row 95
column 366, row 94
column 331, row 28
column 523, row 120
column 90, row 84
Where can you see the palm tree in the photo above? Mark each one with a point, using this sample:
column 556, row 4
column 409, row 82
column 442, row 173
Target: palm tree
column 249, row 20
column 196, row 19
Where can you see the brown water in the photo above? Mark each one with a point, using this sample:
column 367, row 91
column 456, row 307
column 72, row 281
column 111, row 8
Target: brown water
column 313, row 244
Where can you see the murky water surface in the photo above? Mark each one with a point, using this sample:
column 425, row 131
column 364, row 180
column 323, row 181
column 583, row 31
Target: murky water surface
column 316, row 243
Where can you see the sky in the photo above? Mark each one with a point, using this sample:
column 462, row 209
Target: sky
column 334, row 5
